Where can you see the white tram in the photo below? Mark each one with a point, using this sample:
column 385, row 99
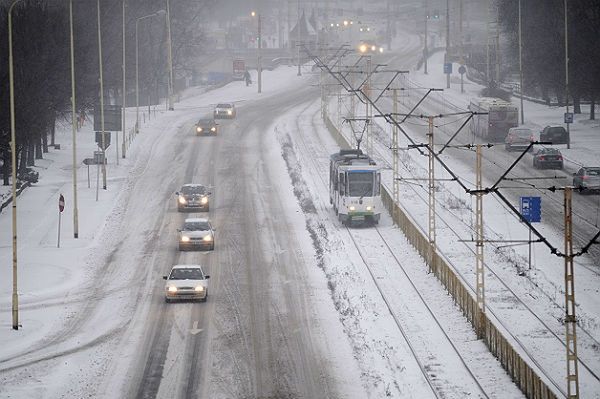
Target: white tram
column 355, row 187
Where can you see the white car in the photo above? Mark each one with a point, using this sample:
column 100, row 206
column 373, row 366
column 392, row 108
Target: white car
column 196, row 233
column 186, row 282
column 224, row 110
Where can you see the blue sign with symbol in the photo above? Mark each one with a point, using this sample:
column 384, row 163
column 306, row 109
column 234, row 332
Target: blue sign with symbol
column 448, row 68
column 531, row 209
column 568, row 117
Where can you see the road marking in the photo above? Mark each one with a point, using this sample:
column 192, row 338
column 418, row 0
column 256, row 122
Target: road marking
column 195, row 330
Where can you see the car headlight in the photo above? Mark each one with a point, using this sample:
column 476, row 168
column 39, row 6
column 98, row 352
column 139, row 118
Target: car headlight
column 208, row 237
column 213, row 129
column 362, row 48
column 204, row 200
column 369, row 208
column 199, row 288
column 182, row 200
column 172, row 288
column 352, row 208
column 381, row 49
column 185, row 239
column 373, row 48
column 198, row 129
column 229, row 112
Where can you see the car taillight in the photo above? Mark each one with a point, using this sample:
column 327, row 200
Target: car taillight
column 560, row 157
column 584, row 177
column 541, row 158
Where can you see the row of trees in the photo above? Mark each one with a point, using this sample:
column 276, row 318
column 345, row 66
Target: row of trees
column 42, row 72
column 543, row 47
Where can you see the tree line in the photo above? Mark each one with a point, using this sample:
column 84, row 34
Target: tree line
column 543, row 47
column 42, row 69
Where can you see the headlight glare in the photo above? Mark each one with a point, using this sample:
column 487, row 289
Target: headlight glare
column 228, row 112
column 213, row 129
column 198, row 129
column 369, row 208
column 185, row 239
column 204, row 200
column 208, row 237
column 172, row 288
column 352, row 208
column 199, row 288
column 182, row 200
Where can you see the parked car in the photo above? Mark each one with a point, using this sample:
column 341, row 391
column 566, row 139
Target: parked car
column 587, row 179
column 547, row 158
column 224, row 110
column 196, row 233
column 193, row 197
column 518, row 138
column 555, row 134
column 186, row 282
column 206, row 126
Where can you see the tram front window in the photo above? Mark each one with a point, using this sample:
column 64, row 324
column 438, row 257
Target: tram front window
column 360, row 184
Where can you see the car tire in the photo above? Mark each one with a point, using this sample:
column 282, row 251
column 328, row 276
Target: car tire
column 167, row 300
column 205, row 299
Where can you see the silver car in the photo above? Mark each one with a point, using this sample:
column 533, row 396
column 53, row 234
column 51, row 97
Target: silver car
column 196, row 234
column 587, row 179
column 186, row 282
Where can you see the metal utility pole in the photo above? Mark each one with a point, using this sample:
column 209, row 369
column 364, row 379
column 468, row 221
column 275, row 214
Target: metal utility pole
column 123, row 120
column 570, row 320
column 567, row 73
column 388, row 32
column 521, row 65
column 298, row 39
column 425, row 49
column 259, row 66
column 396, row 176
column 170, row 46
column 73, row 125
column 497, row 44
column 101, row 99
column 431, row 169
column 367, row 90
column 487, row 45
column 447, row 40
column 479, row 265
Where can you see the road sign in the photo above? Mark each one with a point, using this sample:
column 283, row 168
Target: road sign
column 61, row 203
column 462, row 70
column 112, row 118
column 106, row 139
column 568, row 117
column 531, row 209
column 448, row 68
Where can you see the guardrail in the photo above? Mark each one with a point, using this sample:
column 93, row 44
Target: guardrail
column 522, row 374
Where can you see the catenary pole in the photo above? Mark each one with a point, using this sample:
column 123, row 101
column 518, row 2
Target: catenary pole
column 74, row 125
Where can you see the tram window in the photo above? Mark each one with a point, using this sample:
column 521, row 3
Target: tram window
column 342, row 184
column 360, row 184
column 377, row 189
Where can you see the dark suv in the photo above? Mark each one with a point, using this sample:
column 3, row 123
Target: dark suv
column 554, row 134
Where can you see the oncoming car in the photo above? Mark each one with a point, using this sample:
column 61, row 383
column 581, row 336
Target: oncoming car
column 193, row 197
column 196, row 233
column 369, row 46
column 224, row 110
column 206, row 126
column 186, row 282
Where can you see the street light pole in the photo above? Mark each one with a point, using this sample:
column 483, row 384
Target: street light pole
column 425, row 49
column 124, row 95
column 168, row 21
column 447, row 41
column 74, row 125
column 567, row 73
column 298, row 39
column 13, row 140
column 259, row 65
column 101, row 101
column 521, row 65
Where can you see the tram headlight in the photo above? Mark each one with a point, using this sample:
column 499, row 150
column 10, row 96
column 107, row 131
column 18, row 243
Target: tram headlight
column 369, row 208
column 352, row 208
column 198, row 129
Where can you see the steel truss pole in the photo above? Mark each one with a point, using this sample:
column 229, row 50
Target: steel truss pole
column 479, row 265
column 570, row 320
column 431, row 230
column 396, row 181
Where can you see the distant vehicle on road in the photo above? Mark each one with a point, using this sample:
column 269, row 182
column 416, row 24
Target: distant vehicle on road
column 206, row 126
column 587, row 179
column 354, row 187
column 548, row 158
column 186, row 282
column 239, row 68
column 196, row 233
column 493, row 119
column 555, row 134
column 224, row 110
column 518, row 138
column 193, row 197
column 369, row 47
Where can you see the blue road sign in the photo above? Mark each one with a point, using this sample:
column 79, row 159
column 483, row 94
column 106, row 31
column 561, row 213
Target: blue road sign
column 568, row 117
column 447, row 67
column 531, row 209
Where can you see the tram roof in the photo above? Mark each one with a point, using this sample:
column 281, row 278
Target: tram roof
column 352, row 157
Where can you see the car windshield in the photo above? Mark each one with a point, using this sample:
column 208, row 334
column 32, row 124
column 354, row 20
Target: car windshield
column 522, row 133
column 593, row 172
column 191, row 273
column 557, row 130
column 193, row 190
column 196, row 225
column 360, row 184
column 206, row 122
column 550, row 151
column 224, row 105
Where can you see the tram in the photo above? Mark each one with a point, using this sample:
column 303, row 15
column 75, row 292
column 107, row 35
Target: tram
column 355, row 187
column 495, row 118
